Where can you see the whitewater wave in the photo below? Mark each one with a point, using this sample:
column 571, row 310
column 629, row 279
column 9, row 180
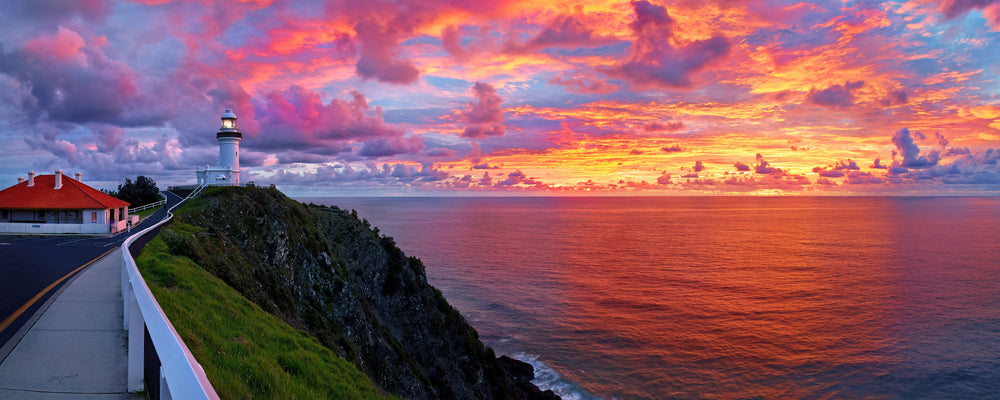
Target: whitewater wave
column 547, row 378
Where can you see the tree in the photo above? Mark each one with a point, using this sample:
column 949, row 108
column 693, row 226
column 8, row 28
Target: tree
column 141, row 192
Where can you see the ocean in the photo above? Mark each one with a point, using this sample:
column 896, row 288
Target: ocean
column 720, row 297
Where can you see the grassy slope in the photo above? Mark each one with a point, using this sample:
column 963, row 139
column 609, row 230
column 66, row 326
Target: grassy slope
column 145, row 213
column 246, row 352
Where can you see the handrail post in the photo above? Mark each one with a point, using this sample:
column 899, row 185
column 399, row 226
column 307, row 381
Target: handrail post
column 135, row 345
column 126, row 294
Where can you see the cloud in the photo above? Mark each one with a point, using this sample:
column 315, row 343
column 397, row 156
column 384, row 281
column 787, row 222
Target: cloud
column 656, row 58
column 957, row 151
column 878, row 164
column 847, row 164
column 836, row 96
column 519, row 178
column 379, row 45
column 741, row 167
column 942, row 141
column 584, row 85
column 566, row 31
column 954, row 8
column 298, row 119
column 896, row 97
column 672, row 149
column 699, row 166
column 909, row 152
column 451, row 41
column 485, row 116
column 764, row 167
column 57, row 10
column 368, row 175
column 72, row 80
column 670, row 126
column 861, row 178
column 390, row 146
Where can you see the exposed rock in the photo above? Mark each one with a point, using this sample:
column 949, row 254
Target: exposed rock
column 327, row 272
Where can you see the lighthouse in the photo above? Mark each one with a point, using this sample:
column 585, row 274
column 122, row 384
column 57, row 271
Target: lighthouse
column 226, row 171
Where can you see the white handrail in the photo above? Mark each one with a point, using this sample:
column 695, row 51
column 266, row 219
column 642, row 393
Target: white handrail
column 148, row 206
column 181, row 376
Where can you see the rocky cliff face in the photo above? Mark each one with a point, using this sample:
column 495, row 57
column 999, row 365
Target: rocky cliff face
column 325, row 271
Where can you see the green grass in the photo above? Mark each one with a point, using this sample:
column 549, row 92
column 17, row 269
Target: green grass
column 245, row 351
column 145, row 213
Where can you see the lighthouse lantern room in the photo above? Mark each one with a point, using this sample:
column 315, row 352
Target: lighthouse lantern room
column 226, row 172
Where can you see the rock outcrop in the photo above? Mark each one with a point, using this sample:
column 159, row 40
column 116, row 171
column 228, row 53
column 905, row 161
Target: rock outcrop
column 330, row 273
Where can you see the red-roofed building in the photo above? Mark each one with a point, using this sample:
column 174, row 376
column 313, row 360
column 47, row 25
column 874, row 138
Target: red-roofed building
column 59, row 204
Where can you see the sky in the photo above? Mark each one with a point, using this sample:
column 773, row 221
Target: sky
column 510, row 97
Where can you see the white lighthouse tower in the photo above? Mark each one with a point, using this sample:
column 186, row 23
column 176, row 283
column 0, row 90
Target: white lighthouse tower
column 227, row 170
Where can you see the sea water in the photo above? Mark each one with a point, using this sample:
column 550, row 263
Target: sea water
column 720, row 297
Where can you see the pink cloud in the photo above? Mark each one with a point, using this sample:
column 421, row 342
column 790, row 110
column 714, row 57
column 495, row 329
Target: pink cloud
column 379, row 48
column 298, row 119
column 64, row 45
column 657, row 62
column 584, row 85
column 485, row 116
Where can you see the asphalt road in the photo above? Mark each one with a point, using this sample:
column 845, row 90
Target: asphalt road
column 29, row 264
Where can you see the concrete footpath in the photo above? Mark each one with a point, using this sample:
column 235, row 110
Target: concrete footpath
column 76, row 348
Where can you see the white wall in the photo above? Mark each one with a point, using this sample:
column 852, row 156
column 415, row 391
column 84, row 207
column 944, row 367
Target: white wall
column 85, row 228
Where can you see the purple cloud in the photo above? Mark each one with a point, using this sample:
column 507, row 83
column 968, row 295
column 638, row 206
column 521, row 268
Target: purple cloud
column 910, row 152
column 764, row 167
column 836, row 96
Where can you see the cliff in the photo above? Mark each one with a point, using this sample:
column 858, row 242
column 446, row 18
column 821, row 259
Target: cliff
column 329, row 273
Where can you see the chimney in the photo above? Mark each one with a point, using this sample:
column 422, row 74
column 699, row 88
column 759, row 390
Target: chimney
column 31, row 178
column 79, row 177
column 58, row 179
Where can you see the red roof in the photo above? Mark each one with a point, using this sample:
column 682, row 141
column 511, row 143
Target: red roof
column 44, row 195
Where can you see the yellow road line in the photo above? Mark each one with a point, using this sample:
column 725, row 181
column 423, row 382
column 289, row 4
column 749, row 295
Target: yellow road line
column 17, row 313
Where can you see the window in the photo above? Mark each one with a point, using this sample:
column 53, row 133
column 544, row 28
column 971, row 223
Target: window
column 93, row 217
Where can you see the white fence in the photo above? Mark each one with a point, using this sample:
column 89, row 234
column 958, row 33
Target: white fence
column 42, row 228
column 176, row 375
column 147, row 206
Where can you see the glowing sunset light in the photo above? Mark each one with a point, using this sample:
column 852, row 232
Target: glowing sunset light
column 495, row 97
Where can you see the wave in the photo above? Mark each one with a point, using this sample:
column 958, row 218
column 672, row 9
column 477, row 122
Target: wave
column 547, row 378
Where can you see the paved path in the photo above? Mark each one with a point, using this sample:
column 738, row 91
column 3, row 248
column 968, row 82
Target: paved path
column 69, row 344
column 76, row 348
column 29, row 265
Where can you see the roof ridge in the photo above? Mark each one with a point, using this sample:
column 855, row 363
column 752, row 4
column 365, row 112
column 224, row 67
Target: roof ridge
column 78, row 185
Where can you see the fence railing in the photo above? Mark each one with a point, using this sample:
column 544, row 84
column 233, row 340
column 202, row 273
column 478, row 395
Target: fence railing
column 158, row 359
column 148, row 206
